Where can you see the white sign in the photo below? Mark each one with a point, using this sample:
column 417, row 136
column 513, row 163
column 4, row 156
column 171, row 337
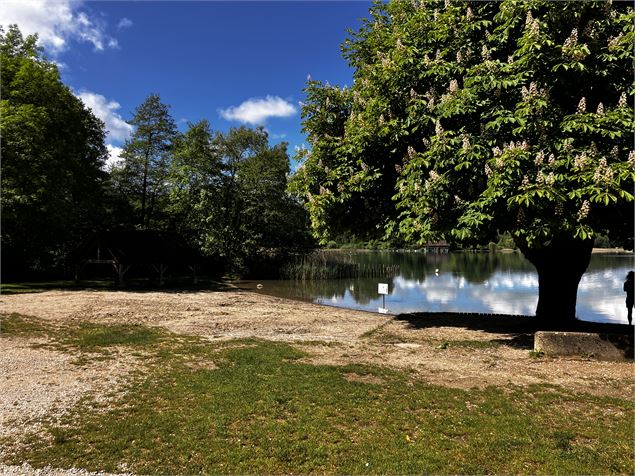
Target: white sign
column 382, row 310
column 382, row 288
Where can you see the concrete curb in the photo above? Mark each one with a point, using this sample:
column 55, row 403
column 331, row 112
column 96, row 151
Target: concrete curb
column 583, row 344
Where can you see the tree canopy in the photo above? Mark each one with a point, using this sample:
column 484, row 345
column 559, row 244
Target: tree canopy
column 470, row 118
column 147, row 158
column 52, row 157
column 228, row 194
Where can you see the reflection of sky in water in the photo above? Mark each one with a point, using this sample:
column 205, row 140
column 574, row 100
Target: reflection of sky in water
column 600, row 294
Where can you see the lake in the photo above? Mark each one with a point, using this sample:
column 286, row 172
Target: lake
column 501, row 283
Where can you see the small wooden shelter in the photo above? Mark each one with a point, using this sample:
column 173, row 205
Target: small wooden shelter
column 437, row 247
column 125, row 249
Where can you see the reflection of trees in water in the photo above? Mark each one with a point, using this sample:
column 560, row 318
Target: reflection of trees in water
column 476, row 268
column 601, row 262
column 362, row 290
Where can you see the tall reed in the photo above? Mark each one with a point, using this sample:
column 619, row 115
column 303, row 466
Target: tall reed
column 327, row 265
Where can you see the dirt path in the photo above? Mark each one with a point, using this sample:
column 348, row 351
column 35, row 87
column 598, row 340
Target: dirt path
column 36, row 381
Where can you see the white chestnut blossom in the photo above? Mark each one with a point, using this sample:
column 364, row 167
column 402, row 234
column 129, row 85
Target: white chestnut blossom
column 438, row 129
column 529, row 19
column 580, row 161
column 622, row 102
column 485, row 53
column 584, row 210
column 540, row 178
column 582, row 106
column 600, row 110
column 466, row 142
column 614, row 42
column 550, row 179
column 572, row 40
column 534, row 26
column 524, row 93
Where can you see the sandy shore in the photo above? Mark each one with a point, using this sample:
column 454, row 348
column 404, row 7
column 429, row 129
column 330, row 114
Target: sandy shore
column 454, row 352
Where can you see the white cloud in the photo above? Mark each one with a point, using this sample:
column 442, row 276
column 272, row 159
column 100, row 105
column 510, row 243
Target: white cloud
column 258, row 110
column 56, row 23
column 277, row 136
column 124, row 23
column 118, row 129
column 114, row 156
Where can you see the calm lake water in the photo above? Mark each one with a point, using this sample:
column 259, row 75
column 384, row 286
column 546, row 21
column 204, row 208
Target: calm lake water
column 503, row 283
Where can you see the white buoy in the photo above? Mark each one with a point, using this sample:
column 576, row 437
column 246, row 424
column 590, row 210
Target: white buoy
column 259, row 286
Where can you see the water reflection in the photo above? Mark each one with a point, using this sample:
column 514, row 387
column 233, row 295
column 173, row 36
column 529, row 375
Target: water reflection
column 502, row 283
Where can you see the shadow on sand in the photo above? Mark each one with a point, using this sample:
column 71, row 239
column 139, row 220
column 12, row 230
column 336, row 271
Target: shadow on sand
column 515, row 331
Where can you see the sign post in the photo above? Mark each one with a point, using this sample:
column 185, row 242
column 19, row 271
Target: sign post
column 382, row 288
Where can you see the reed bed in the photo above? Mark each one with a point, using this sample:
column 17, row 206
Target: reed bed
column 320, row 265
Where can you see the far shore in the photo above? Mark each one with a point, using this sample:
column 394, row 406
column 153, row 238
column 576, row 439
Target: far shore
column 612, row 251
column 608, row 251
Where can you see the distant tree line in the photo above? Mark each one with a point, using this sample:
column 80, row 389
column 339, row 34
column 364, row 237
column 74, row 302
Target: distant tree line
column 224, row 192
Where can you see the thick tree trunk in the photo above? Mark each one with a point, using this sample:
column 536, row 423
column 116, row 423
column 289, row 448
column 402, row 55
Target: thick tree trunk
column 560, row 265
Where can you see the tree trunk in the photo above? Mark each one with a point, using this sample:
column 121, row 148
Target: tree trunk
column 560, row 266
column 144, row 190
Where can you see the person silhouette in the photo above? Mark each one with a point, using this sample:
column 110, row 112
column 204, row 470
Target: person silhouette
column 629, row 289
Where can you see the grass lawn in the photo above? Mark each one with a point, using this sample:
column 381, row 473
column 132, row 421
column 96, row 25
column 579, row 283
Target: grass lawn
column 253, row 406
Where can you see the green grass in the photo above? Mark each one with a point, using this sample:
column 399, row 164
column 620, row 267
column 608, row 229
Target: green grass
column 41, row 286
column 91, row 337
column 85, row 339
column 253, row 406
column 18, row 325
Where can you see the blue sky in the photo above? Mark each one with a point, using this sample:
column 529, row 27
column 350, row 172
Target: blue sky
column 230, row 62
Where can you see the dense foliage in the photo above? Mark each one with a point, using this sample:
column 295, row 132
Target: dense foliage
column 147, row 158
column 468, row 119
column 225, row 193
column 52, row 157
column 229, row 195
